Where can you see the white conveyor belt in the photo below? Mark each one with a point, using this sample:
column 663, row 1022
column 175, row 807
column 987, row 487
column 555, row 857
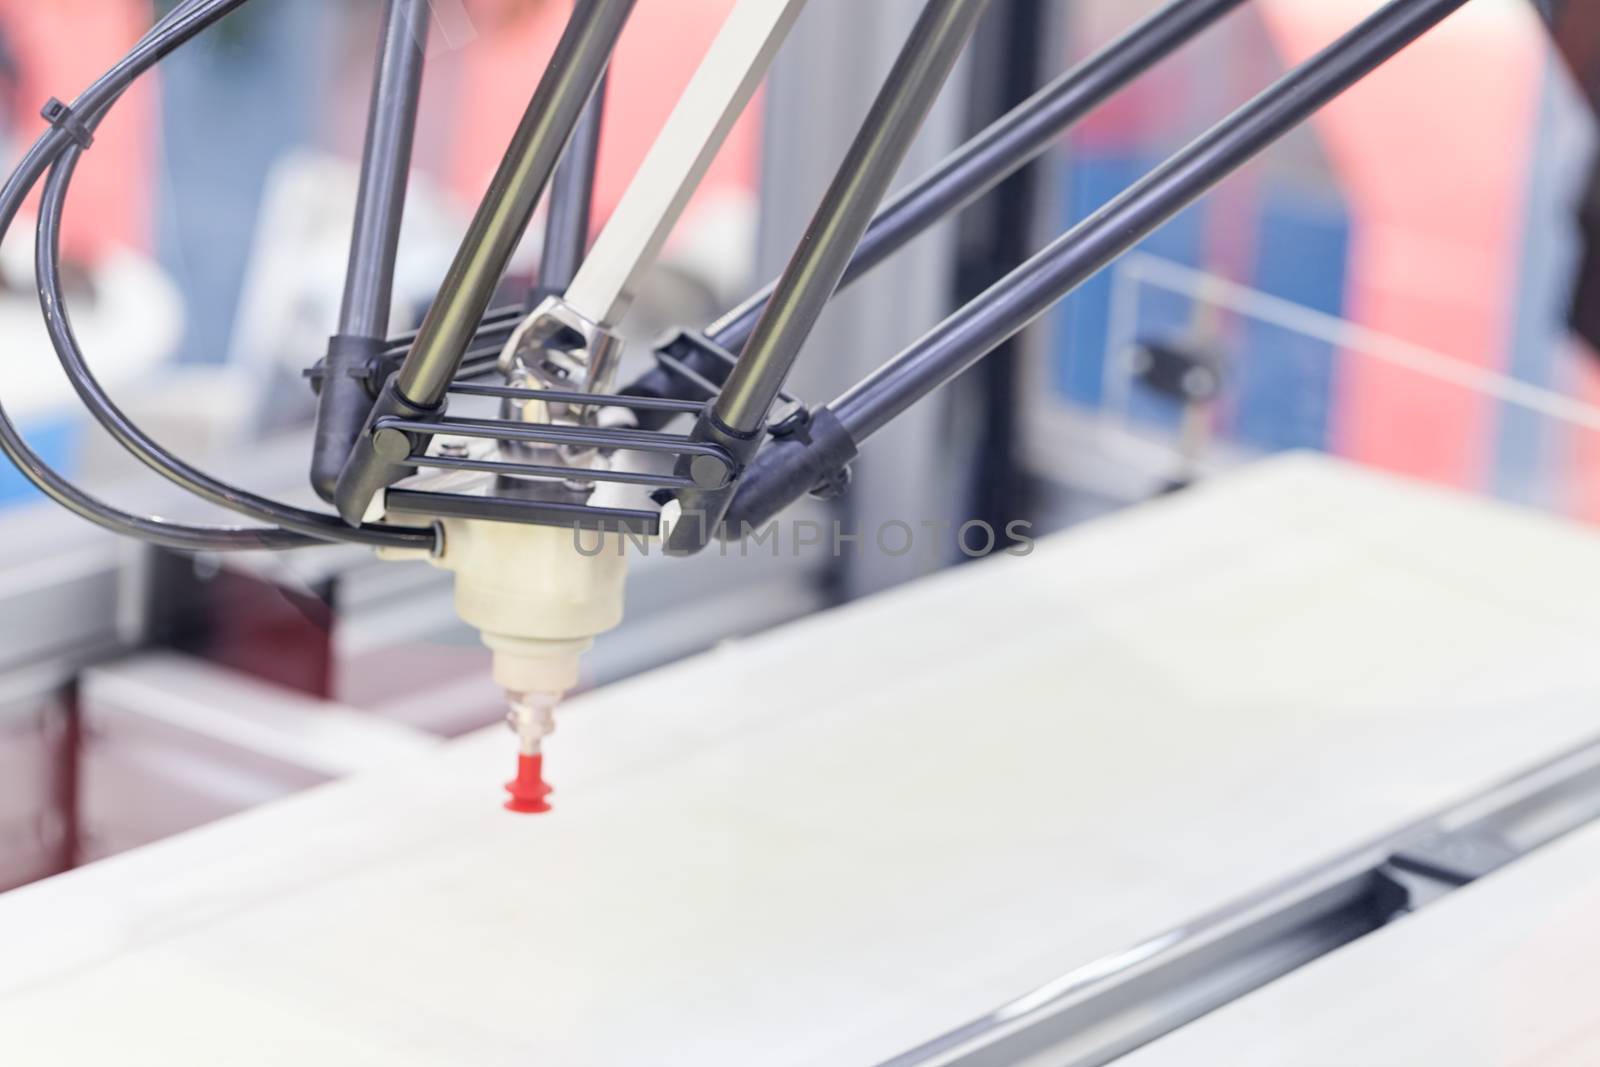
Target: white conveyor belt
column 1502, row 973
column 829, row 844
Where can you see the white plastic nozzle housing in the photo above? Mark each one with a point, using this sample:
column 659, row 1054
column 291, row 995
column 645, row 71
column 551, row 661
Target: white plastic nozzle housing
column 538, row 600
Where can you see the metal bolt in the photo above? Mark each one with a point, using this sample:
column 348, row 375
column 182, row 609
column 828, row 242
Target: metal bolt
column 708, row 472
column 392, row 445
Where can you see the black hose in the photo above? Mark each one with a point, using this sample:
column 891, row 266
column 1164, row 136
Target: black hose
column 61, row 490
column 58, row 150
column 127, row 434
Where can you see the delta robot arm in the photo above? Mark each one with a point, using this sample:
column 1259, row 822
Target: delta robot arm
column 500, row 501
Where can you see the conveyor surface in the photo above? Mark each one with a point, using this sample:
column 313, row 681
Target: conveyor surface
column 1003, row 774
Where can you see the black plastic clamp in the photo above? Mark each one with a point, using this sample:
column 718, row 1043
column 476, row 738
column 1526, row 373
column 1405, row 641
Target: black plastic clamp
column 366, row 365
column 796, row 424
column 63, row 118
column 816, row 464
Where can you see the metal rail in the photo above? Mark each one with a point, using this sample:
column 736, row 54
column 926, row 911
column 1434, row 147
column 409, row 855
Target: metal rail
column 1111, row 1006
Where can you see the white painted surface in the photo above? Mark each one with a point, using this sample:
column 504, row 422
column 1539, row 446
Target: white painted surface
column 1008, row 772
column 1501, row 973
column 174, row 743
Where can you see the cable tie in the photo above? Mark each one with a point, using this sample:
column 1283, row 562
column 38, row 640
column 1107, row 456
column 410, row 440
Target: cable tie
column 67, row 121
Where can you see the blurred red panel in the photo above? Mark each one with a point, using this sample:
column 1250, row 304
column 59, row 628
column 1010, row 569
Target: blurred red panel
column 1432, row 152
column 1579, row 459
column 658, row 54
column 60, row 47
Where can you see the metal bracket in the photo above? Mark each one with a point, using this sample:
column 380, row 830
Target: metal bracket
column 558, row 347
column 708, row 464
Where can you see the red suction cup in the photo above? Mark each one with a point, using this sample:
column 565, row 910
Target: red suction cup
column 528, row 790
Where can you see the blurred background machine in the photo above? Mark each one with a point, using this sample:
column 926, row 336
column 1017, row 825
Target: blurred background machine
column 1416, row 303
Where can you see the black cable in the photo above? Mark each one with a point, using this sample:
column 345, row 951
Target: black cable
column 60, row 489
column 127, row 433
column 59, row 149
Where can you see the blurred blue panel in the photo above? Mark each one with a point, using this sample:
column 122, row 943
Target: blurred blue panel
column 233, row 102
column 1082, row 322
column 1282, row 381
column 56, row 442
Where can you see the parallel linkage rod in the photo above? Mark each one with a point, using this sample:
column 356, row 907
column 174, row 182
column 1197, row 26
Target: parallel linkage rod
column 738, row 415
column 1025, row 294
